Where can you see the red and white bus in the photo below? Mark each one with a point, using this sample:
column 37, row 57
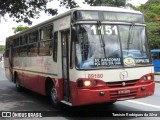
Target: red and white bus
column 84, row 56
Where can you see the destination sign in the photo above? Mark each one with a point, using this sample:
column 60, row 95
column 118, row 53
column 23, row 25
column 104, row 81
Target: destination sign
column 110, row 16
column 107, row 61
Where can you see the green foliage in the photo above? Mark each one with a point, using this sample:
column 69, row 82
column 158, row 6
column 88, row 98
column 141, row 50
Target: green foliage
column 116, row 3
column 20, row 28
column 151, row 12
column 150, row 16
column 2, row 48
column 68, row 3
column 23, row 10
column 153, row 29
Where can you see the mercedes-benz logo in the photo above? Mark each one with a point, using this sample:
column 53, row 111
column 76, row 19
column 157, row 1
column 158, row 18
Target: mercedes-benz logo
column 123, row 75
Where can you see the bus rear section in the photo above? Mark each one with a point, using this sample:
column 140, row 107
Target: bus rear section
column 8, row 58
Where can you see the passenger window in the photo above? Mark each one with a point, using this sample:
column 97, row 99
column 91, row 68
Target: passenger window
column 16, row 42
column 33, row 37
column 23, row 51
column 16, row 52
column 32, row 50
column 23, row 40
column 45, row 43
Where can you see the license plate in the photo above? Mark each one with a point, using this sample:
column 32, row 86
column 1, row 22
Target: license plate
column 123, row 91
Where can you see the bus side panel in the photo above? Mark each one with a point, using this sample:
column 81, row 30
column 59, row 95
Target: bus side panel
column 37, row 82
column 34, row 82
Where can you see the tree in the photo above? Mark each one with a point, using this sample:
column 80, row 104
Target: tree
column 153, row 30
column 116, row 3
column 68, row 3
column 2, row 48
column 19, row 28
column 151, row 10
column 23, row 10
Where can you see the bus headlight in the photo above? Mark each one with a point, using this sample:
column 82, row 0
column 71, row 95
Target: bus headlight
column 90, row 83
column 148, row 77
column 87, row 83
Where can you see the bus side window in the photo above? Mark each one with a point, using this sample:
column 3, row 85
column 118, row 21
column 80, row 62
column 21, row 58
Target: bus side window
column 23, row 51
column 33, row 37
column 45, row 43
column 23, row 46
column 16, row 52
column 55, row 46
column 32, row 49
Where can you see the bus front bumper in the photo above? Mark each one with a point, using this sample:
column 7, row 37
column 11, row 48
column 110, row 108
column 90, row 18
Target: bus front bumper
column 104, row 95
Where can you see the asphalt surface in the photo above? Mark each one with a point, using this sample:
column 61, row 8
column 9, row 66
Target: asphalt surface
column 11, row 100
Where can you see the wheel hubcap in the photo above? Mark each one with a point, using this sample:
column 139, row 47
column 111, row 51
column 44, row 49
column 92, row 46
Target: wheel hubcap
column 54, row 95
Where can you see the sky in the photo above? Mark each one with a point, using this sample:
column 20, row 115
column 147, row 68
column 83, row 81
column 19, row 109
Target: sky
column 7, row 25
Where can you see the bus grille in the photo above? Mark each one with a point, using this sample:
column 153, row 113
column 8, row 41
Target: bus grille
column 119, row 84
column 114, row 94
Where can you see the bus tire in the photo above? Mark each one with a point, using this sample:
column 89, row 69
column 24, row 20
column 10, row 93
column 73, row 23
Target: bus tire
column 54, row 98
column 17, row 83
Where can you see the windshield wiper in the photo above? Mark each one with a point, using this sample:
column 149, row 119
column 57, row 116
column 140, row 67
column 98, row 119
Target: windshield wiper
column 101, row 37
column 130, row 36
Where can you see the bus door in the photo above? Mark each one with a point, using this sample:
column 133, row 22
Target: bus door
column 65, row 66
column 11, row 61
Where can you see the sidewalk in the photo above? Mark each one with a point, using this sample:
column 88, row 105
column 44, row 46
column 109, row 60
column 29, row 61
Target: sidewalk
column 2, row 64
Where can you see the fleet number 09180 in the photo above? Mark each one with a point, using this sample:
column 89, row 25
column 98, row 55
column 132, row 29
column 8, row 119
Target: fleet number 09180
column 95, row 75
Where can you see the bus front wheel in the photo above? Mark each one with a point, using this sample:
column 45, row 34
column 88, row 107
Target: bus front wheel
column 54, row 98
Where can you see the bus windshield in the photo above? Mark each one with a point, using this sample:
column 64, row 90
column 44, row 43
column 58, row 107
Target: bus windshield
column 111, row 45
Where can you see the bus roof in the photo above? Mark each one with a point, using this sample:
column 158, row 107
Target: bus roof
column 92, row 8
column 108, row 8
column 155, row 50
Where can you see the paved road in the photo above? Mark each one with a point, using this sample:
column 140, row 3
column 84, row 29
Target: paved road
column 11, row 100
